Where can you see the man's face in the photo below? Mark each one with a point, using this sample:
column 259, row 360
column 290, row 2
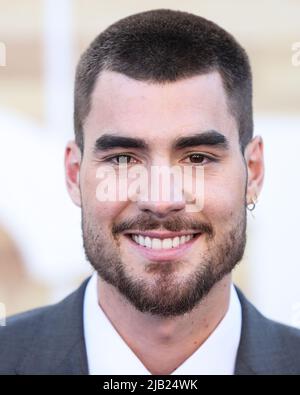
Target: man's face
column 192, row 250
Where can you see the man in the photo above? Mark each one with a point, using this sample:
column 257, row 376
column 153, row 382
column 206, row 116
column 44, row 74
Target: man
column 160, row 89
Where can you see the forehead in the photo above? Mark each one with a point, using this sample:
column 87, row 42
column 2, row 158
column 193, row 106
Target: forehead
column 158, row 112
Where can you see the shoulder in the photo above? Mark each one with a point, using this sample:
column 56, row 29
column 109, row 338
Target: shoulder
column 35, row 330
column 267, row 346
column 266, row 326
column 17, row 336
column 289, row 336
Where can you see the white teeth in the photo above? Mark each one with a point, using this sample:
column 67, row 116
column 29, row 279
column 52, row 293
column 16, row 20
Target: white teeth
column 175, row 242
column 141, row 240
column 158, row 244
column 185, row 239
column 167, row 243
column 148, row 243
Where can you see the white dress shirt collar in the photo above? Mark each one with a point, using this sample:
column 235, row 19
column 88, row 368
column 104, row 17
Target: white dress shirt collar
column 108, row 353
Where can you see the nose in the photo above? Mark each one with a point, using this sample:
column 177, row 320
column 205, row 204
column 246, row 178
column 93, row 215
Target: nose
column 163, row 191
column 161, row 208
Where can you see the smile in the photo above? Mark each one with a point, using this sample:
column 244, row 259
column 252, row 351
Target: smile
column 162, row 246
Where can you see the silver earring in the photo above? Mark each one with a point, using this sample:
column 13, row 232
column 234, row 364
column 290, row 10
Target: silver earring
column 251, row 206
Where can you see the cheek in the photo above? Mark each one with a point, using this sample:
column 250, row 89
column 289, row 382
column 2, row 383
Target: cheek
column 98, row 195
column 224, row 196
column 108, row 212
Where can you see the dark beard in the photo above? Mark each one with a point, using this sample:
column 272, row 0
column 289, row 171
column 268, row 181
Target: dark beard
column 168, row 297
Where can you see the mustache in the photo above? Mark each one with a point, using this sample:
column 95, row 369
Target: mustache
column 144, row 222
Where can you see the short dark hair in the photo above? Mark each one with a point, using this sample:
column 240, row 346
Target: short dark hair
column 163, row 46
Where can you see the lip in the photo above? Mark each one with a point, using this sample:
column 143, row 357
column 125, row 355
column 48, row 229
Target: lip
column 160, row 234
column 163, row 254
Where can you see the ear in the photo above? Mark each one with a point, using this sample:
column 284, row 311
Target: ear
column 72, row 171
column 254, row 157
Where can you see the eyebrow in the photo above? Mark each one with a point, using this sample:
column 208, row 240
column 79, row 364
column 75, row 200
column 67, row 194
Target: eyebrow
column 209, row 137
column 109, row 141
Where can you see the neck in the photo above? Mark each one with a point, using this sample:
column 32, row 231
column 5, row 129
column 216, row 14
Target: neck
column 163, row 344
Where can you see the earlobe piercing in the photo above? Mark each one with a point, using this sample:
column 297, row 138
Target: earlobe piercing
column 252, row 204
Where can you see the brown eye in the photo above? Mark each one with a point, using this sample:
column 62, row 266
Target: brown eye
column 122, row 159
column 197, row 158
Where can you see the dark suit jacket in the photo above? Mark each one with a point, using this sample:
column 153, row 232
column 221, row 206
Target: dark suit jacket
column 50, row 340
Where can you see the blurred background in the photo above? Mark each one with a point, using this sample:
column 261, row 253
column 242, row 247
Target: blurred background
column 41, row 253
